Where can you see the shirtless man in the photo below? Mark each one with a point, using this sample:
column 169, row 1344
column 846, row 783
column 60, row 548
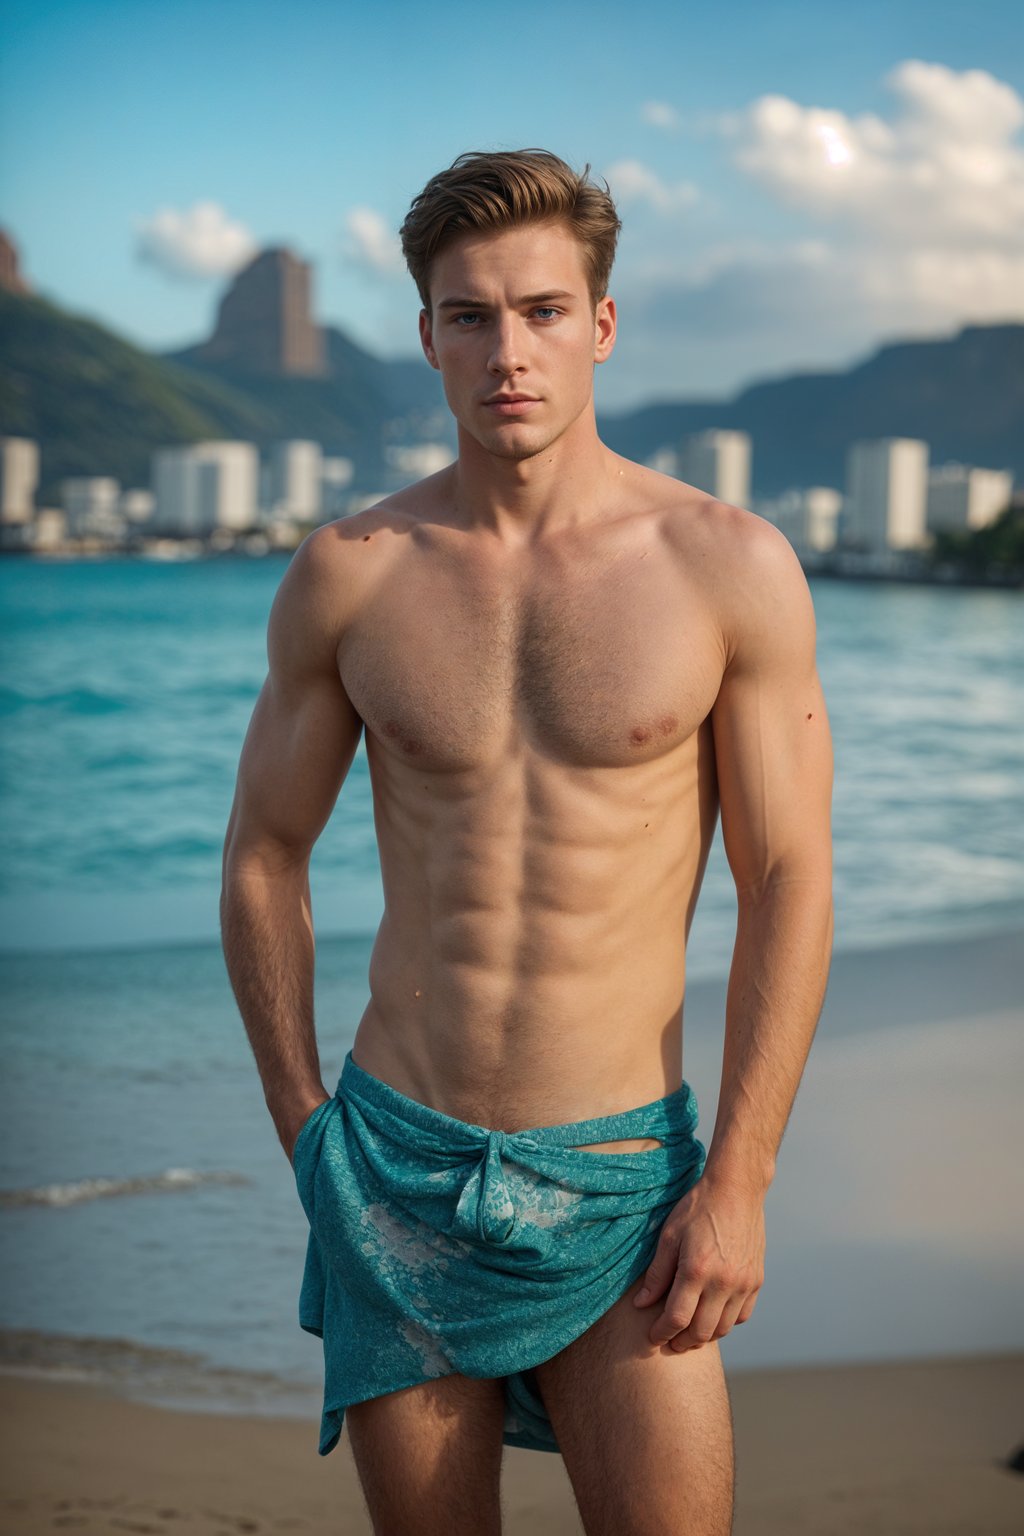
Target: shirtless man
column 566, row 666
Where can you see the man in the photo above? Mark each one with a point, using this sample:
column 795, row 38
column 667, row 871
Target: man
column 566, row 665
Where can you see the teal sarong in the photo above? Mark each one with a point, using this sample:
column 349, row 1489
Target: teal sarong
column 437, row 1246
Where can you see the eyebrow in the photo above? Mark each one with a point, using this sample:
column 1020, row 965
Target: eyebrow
column 527, row 298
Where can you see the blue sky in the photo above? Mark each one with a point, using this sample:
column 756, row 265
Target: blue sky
column 796, row 182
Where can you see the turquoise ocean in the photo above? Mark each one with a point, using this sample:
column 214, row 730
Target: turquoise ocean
column 151, row 1230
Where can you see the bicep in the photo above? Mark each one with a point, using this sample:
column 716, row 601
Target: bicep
column 773, row 746
column 304, row 730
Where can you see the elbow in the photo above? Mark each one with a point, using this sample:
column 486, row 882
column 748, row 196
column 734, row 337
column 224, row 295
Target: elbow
column 246, row 859
column 784, row 880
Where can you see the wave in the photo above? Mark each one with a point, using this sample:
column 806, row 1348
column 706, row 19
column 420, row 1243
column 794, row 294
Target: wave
column 74, row 701
column 171, row 1181
column 154, row 1373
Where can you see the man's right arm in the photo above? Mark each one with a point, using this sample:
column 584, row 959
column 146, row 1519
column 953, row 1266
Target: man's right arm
column 297, row 752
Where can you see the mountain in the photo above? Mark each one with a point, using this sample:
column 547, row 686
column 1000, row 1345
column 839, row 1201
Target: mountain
column 315, row 381
column 964, row 395
column 362, row 404
column 98, row 405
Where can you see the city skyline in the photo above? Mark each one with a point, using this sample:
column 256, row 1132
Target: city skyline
column 789, row 200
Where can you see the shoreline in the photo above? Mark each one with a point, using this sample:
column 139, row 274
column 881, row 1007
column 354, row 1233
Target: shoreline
column 895, row 1168
column 913, row 1447
column 910, row 566
column 970, row 926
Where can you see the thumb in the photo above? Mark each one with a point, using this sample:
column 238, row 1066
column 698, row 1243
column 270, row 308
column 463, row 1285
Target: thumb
column 660, row 1274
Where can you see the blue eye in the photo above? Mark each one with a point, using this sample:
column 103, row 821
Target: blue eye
column 459, row 319
column 545, row 309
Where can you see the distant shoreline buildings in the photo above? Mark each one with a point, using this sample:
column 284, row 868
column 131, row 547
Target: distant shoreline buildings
column 212, row 497
column 216, row 493
column 885, row 521
column 215, row 496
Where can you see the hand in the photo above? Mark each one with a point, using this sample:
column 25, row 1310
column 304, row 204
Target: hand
column 290, row 1124
column 711, row 1253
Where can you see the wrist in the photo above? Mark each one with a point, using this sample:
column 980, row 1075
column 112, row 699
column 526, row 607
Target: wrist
column 749, row 1173
column 297, row 1104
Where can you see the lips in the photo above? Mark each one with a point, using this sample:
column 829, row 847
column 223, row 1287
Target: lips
column 511, row 405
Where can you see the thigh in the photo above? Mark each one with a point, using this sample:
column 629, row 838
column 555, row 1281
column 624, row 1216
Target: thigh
column 645, row 1434
column 429, row 1457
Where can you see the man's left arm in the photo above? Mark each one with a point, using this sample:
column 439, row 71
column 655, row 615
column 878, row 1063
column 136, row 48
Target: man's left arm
column 773, row 755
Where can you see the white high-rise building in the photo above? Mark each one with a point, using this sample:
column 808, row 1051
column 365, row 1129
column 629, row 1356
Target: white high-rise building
column 137, row 507
column 886, row 495
column 204, row 486
column 961, row 497
column 295, row 480
column 808, row 516
column 414, row 461
column 336, row 475
column 19, row 477
column 719, row 463
column 92, row 504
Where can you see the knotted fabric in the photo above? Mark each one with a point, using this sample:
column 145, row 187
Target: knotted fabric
column 438, row 1246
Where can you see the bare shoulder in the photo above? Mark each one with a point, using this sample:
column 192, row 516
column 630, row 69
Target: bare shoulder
column 336, row 567
column 746, row 568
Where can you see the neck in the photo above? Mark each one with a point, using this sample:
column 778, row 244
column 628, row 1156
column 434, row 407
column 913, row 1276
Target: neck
column 519, row 500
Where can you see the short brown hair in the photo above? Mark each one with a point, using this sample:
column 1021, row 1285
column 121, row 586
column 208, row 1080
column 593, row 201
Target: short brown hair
column 483, row 191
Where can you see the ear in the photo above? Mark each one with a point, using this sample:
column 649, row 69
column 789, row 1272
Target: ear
column 605, row 321
column 427, row 340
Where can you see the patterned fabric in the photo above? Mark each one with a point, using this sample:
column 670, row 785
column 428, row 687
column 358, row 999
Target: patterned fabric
column 438, row 1246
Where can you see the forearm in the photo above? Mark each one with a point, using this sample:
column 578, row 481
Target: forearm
column 269, row 949
column 776, row 989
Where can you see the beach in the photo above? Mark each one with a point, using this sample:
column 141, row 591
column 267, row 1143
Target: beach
column 151, row 1359
column 886, row 1448
column 877, row 1388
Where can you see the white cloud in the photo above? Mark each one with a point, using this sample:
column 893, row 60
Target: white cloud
column 946, row 168
column 633, row 182
column 372, row 243
column 199, row 243
column 659, row 114
column 913, row 225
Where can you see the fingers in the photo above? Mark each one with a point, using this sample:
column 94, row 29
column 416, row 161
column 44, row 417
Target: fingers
column 747, row 1307
column 660, row 1272
column 679, row 1309
column 716, row 1314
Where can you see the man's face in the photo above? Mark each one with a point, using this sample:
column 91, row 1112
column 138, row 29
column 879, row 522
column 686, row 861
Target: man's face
column 515, row 335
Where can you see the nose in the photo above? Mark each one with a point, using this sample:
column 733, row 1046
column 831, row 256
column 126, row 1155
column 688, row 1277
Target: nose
column 506, row 353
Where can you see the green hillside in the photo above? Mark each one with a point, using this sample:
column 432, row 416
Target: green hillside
column 99, row 406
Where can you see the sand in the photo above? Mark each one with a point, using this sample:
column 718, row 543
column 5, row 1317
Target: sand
column 872, row 1449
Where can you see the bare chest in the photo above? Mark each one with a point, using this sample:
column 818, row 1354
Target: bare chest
column 594, row 667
